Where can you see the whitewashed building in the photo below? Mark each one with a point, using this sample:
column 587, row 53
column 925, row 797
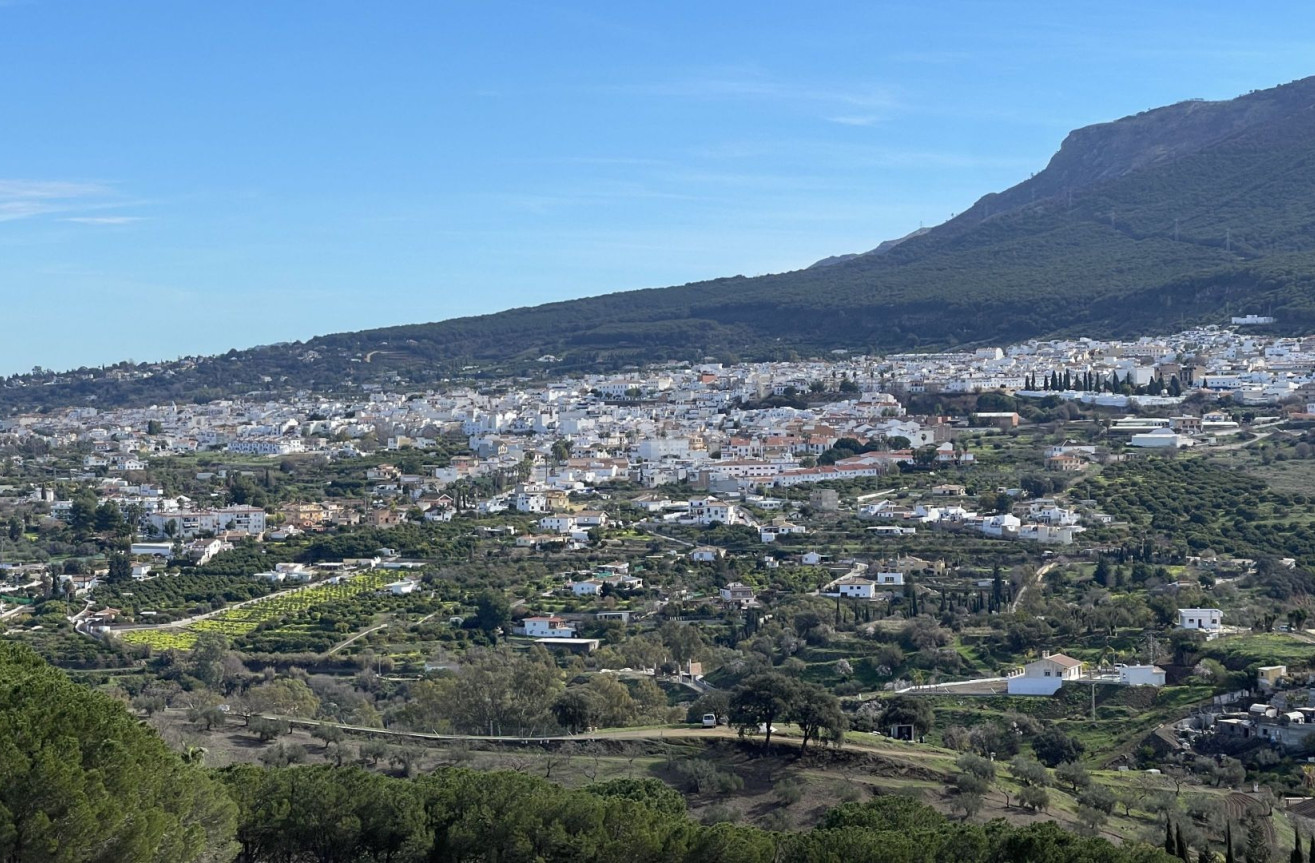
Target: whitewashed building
column 1044, row 676
column 1207, row 619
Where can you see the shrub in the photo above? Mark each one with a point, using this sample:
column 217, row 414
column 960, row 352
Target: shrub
column 1034, row 797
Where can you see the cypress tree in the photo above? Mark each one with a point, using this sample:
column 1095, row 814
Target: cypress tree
column 1296, row 856
column 1170, row 847
column 1181, row 844
column 1228, row 845
column 1257, row 843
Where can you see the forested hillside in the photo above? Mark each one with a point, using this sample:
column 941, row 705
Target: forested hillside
column 81, row 781
column 1178, row 216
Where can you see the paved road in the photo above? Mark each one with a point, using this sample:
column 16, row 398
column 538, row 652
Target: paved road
column 17, row 609
column 1257, row 439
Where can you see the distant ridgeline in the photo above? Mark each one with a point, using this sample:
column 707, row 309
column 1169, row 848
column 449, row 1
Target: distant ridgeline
column 1188, row 214
column 81, row 780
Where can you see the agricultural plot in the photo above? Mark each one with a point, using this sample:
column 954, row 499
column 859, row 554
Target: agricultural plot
column 238, row 622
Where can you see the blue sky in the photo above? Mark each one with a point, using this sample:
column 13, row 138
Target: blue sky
column 182, row 178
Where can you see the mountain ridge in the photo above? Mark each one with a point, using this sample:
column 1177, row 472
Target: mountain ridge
column 1173, row 216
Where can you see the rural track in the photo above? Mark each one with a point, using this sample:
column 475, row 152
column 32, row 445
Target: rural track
column 636, row 734
column 1031, row 581
column 340, row 645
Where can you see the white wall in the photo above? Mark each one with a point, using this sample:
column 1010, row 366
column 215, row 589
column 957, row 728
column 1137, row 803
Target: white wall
column 1024, row 685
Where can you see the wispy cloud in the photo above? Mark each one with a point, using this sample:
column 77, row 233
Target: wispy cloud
column 104, row 220
column 70, row 200
column 48, row 189
column 855, row 120
column 754, row 85
column 931, row 57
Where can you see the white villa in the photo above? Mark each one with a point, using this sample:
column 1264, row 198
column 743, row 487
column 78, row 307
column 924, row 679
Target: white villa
column 1207, row 619
column 548, row 627
column 1044, row 676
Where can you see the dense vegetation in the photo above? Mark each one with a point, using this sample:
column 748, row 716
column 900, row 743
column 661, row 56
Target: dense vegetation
column 330, row 815
column 1142, row 244
column 182, row 595
column 1191, row 506
column 83, row 782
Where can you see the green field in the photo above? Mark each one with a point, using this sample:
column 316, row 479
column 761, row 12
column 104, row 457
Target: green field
column 237, row 622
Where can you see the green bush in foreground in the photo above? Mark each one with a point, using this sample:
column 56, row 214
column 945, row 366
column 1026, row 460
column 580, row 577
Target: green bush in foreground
column 81, row 781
